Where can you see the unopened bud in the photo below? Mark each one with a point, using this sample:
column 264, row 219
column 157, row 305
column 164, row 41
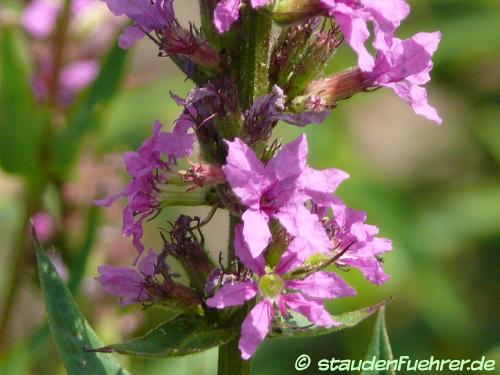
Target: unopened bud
column 184, row 246
column 178, row 195
column 289, row 11
column 327, row 92
column 278, row 246
column 302, row 53
column 188, row 43
column 202, row 174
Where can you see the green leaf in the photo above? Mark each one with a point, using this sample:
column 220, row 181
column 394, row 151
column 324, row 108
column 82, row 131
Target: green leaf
column 180, row 336
column 380, row 347
column 19, row 360
column 71, row 332
column 348, row 320
column 67, row 144
column 19, row 128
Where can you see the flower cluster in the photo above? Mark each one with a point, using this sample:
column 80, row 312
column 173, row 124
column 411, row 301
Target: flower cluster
column 292, row 236
column 90, row 30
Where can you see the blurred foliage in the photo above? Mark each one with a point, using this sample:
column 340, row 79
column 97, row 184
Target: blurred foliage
column 434, row 190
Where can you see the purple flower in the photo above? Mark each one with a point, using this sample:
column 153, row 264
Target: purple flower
column 158, row 16
column 227, row 12
column 39, row 17
column 148, row 15
column 352, row 17
column 77, row 75
column 44, row 225
column 73, row 78
column 356, row 241
column 405, row 67
column 278, row 190
column 148, row 167
column 270, row 108
column 276, row 293
column 127, row 283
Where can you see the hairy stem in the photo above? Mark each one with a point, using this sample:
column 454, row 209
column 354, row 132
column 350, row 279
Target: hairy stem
column 254, row 67
column 230, row 362
column 252, row 81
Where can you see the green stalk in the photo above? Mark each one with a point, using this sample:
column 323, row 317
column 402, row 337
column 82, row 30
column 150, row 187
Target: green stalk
column 253, row 73
column 252, row 81
column 59, row 44
column 230, row 362
column 206, row 17
column 21, row 246
column 34, row 189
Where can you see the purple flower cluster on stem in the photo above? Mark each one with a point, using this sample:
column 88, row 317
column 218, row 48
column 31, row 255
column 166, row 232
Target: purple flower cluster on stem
column 291, row 236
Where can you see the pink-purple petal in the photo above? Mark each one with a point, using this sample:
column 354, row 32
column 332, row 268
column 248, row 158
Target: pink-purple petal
column 322, row 285
column 320, row 184
column 79, row 74
column 40, row 16
column 225, row 14
column 122, row 282
column 147, row 264
column 245, row 172
column 241, row 250
column 290, row 161
column 314, row 311
column 416, row 96
column 235, row 294
column 255, row 328
column 130, row 35
column 256, row 231
column 259, row 3
column 356, row 33
column 303, row 224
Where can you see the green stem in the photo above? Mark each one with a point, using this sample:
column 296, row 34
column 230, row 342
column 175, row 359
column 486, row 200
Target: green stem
column 233, row 220
column 230, row 362
column 21, row 247
column 207, row 23
column 34, row 190
column 253, row 78
column 59, row 44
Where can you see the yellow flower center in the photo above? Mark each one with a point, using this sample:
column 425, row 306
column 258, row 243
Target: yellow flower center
column 271, row 285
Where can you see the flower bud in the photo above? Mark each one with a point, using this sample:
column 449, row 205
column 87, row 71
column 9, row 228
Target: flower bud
column 177, row 195
column 202, row 174
column 44, row 226
column 301, row 54
column 288, row 11
column 189, row 44
column 184, row 246
column 327, row 92
column 278, row 245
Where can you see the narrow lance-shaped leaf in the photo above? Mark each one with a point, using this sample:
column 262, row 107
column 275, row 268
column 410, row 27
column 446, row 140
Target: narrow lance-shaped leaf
column 70, row 330
column 349, row 319
column 18, row 360
column 19, row 128
column 380, row 347
column 66, row 145
column 180, row 336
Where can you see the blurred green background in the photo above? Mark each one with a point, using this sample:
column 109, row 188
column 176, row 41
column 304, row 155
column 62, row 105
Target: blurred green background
column 434, row 190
